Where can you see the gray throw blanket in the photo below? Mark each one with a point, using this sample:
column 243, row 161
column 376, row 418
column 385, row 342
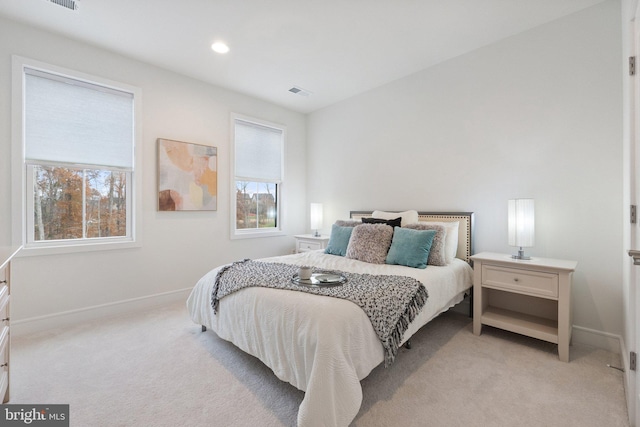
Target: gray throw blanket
column 390, row 302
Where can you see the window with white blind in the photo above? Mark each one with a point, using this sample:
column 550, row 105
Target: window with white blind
column 74, row 160
column 257, row 169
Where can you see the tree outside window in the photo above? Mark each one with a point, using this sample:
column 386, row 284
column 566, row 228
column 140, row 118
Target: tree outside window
column 256, row 205
column 63, row 210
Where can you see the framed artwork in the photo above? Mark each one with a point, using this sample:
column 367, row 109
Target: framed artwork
column 187, row 176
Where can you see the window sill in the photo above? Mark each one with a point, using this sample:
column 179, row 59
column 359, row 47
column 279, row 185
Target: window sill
column 252, row 234
column 66, row 248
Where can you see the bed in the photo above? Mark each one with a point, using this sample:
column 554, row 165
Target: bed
column 322, row 345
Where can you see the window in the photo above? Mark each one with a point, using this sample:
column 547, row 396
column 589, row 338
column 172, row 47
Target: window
column 74, row 160
column 257, row 177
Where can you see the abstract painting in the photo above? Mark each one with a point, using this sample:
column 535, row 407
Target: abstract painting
column 187, row 176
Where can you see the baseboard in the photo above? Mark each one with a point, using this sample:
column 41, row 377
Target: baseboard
column 74, row 317
column 600, row 339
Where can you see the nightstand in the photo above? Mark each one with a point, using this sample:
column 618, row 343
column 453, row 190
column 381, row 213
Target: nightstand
column 309, row 242
column 528, row 297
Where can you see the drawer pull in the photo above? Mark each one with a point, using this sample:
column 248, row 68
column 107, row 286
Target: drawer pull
column 4, row 364
column 515, row 279
column 3, row 281
column 5, row 319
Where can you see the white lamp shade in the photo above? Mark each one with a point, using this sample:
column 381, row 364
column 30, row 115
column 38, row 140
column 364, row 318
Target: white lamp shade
column 316, row 216
column 521, row 223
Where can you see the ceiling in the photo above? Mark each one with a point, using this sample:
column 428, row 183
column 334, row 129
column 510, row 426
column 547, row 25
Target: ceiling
column 333, row 48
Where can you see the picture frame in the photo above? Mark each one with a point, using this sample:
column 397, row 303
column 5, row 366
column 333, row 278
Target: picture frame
column 187, row 176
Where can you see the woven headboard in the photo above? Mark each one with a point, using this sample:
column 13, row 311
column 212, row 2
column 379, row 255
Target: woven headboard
column 465, row 229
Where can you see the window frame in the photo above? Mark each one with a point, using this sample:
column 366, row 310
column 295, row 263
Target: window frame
column 23, row 190
column 249, row 233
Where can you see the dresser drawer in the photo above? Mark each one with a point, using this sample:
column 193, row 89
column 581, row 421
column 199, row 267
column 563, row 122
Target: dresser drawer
column 304, row 246
column 4, row 353
column 521, row 281
column 4, row 299
column 4, row 345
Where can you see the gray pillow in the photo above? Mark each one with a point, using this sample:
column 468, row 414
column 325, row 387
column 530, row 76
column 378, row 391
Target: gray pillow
column 348, row 223
column 370, row 243
column 437, row 253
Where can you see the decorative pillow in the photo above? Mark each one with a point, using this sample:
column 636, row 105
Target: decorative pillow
column 437, row 253
column 451, row 240
column 370, row 243
column 348, row 223
column 408, row 217
column 410, row 247
column 339, row 240
column 392, row 222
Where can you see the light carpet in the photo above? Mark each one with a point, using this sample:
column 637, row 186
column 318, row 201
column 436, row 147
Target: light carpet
column 156, row 368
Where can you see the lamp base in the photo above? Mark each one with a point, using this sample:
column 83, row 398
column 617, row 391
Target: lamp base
column 521, row 255
column 316, row 234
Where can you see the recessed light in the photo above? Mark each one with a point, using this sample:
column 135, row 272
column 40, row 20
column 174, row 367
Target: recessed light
column 220, row 47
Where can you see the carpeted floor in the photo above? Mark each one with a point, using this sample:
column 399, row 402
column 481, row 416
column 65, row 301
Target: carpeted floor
column 156, row 368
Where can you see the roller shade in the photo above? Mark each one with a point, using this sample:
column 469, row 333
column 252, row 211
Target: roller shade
column 258, row 152
column 70, row 121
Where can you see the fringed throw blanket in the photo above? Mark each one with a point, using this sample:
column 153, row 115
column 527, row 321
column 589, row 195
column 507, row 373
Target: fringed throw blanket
column 390, row 302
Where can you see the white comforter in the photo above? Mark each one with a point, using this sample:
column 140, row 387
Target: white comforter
column 321, row 345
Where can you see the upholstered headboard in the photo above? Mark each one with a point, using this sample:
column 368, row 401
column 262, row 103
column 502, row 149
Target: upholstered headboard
column 465, row 227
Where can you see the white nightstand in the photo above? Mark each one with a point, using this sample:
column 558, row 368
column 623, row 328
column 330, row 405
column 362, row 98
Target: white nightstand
column 529, row 297
column 308, row 242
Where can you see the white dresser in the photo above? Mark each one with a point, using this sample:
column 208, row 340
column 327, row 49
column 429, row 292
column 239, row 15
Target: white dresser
column 529, row 297
column 6, row 254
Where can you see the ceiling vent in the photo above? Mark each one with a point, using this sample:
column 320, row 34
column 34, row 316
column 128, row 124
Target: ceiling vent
column 69, row 4
column 299, row 91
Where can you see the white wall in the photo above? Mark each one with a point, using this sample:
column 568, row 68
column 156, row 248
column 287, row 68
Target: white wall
column 536, row 115
column 178, row 247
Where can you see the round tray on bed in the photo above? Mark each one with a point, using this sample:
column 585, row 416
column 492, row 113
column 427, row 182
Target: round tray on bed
column 321, row 279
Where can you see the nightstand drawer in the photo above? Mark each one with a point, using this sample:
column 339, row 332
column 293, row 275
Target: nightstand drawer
column 308, row 246
column 309, row 242
column 521, row 281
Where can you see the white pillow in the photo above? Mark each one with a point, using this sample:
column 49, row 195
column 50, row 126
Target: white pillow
column 451, row 238
column 407, row 217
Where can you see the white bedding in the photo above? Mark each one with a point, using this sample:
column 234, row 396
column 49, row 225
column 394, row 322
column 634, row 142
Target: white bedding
column 321, row 345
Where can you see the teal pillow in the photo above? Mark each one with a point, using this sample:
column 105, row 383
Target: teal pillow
column 339, row 240
column 410, row 247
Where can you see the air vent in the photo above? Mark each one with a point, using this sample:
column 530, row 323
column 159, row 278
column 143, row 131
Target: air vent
column 69, row 4
column 299, row 91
